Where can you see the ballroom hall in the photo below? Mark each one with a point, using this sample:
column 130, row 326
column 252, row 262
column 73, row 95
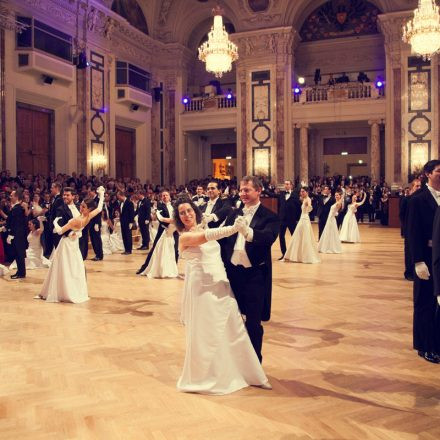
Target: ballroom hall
column 133, row 106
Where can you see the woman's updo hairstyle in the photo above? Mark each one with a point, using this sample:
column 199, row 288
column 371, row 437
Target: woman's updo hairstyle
column 184, row 198
column 90, row 203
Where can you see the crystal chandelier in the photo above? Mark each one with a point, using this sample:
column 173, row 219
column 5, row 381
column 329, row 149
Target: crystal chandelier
column 218, row 52
column 423, row 31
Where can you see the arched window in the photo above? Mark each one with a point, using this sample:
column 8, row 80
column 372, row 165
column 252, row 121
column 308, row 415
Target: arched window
column 340, row 18
column 131, row 11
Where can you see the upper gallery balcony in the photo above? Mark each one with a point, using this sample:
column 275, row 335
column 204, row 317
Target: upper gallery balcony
column 209, row 103
column 347, row 101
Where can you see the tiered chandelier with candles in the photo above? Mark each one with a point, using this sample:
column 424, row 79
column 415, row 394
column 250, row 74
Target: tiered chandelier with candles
column 423, row 31
column 218, row 52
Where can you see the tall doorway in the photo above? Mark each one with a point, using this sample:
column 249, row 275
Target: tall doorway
column 35, row 139
column 125, row 152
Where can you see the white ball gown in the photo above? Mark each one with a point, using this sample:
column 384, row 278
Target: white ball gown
column 302, row 247
column 219, row 355
column 34, row 254
column 163, row 261
column 330, row 242
column 66, row 278
column 105, row 237
column 350, row 230
column 116, row 243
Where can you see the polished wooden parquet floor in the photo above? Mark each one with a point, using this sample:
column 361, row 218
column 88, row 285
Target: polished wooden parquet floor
column 337, row 352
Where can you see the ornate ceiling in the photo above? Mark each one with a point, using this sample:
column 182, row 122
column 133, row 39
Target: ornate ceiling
column 187, row 21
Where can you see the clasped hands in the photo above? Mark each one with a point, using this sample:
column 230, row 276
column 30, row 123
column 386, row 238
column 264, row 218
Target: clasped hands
column 242, row 225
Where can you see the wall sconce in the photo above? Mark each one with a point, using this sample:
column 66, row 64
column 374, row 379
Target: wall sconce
column 98, row 161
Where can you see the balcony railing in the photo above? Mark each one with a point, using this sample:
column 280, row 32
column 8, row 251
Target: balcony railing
column 339, row 92
column 211, row 103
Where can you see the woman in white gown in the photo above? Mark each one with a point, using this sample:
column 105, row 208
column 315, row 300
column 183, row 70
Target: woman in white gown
column 163, row 261
column 219, row 355
column 302, row 247
column 330, row 242
column 105, row 235
column 66, row 278
column 350, row 230
column 116, row 243
column 34, row 252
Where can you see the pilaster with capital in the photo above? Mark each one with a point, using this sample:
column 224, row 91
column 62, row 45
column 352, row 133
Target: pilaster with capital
column 304, row 152
column 375, row 150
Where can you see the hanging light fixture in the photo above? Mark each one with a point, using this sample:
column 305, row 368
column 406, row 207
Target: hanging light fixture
column 218, row 52
column 423, row 31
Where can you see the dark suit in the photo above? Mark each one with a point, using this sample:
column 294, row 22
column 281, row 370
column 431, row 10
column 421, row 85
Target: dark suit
column 436, row 252
column 403, row 216
column 252, row 286
column 323, row 212
column 164, row 212
column 143, row 211
column 421, row 211
column 222, row 208
column 289, row 212
column 95, row 233
column 16, row 225
column 127, row 218
column 53, row 238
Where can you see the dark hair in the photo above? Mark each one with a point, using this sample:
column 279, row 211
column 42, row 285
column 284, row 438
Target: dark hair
column 69, row 189
column 90, row 203
column 213, row 181
column 180, row 201
column 429, row 167
column 36, row 223
column 306, row 189
column 256, row 182
column 57, row 185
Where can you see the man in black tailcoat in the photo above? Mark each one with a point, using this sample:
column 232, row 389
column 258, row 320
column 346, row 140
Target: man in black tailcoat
column 95, row 229
column 324, row 204
column 52, row 238
column 436, row 259
column 16, row 227
column 422, row 207
column 143, row 211
column 166, row 211
column 216, row 209
column 289, row 212
column 247, row 259
column 127, row 218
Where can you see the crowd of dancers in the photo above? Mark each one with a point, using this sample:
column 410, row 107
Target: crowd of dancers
column 224, row 234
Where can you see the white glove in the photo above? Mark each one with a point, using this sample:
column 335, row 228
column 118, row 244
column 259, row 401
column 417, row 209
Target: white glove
column 159, row 216
column 147, row 222
column 218, row 233
column 57, row 229
column 55, row 224
column 208, row 218
column 422, row 270
column 242, row 225
column 130, row 225
column 2, row 229
column 100, row 190
column 41, row 218
column 9, row 239
column 96, row 228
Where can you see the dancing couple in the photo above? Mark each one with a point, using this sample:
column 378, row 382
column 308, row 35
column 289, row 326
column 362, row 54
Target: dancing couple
column 221, row 356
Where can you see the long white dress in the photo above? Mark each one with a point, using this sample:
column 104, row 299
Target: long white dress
column 219, row 355
column 116, row 243
column 350, row 230
column 162, row 263
column 330, row 242
column 302, row 247
column 34, row 254
column 105, row 237
column 66, row 279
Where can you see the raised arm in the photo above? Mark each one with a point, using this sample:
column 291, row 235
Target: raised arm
column 41, row 219
column 362, row 201
column 96, row 211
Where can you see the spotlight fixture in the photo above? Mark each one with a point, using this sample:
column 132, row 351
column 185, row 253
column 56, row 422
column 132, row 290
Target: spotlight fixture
column 301, row 80
column 185, row 100
column 379, row 83
column 297, row 90
column 229, row 96
column 82, row 62
column 344, row 153
column 134, row 107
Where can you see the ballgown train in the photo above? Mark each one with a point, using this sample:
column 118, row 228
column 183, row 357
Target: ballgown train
column 219, row 355
column 34, row 254
column 302, row 247
column 330, row 242
column 105, row 237
column 350, row 230
column 116, row 243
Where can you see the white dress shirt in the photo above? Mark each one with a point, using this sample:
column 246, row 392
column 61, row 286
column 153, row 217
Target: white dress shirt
column 74, row 210
column 435, row 194
column 170, row 209
column 287, row 195
column 239, row 256
column 210, row 205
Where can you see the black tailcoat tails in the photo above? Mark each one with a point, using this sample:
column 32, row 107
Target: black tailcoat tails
column 16, row 225
column 421, row 211
column 95, row 233
column 289, row 212
column 252, row 286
